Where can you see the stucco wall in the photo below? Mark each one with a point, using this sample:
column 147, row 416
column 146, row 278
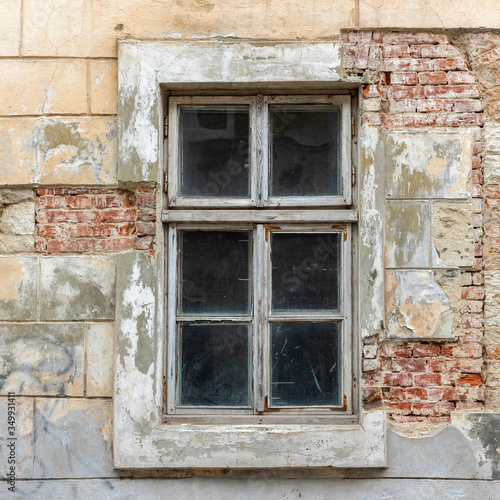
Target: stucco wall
column 429, row 116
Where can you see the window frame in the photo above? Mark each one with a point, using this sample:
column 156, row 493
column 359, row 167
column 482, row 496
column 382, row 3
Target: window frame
column 260, row 320
column 141, row 438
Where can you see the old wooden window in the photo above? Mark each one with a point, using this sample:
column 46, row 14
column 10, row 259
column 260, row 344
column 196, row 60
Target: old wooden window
column 260, row 224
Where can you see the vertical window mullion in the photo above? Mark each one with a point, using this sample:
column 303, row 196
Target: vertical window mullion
column 172, row 318
column 260, row 318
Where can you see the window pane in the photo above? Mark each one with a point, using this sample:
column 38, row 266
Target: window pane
column 214, row 364
column 215, row 275
column 305, row 150
column 306, row 364
column 214, row 151
column 305, row 271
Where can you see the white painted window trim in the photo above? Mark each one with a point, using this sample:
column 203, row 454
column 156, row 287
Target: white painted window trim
column 141, row 437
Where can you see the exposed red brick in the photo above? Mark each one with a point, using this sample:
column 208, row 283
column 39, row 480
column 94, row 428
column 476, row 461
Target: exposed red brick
column 111, row 230
column 396, row 50
column 409, row 393
column 81, row 202
column 455, row 365
column 462, row 351
column 426, row 350
column 145, row 243
column 452, row 91
column 409, row 365
column 427, row 379
column 432, row 78
column 405, row 92
column 469, row 379
column 58, row 231
column 434, row 409
column 395, row 351
column 371, row 91
column 473, row 292
column 146, row 228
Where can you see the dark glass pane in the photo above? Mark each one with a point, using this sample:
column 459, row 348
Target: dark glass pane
column 305, row 271
column 306, row 364
column 305, row 150
column 214, row 151
column 214, row 368
column 215, row 275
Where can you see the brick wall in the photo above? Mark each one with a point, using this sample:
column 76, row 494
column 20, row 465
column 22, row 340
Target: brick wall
column 81, row 220
column 421, row 81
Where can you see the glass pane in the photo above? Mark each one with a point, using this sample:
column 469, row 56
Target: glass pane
column 214, row 151
column 214, row 368
column 215, row 275
column 305, row 271
column 305, row 156
column 306, row 364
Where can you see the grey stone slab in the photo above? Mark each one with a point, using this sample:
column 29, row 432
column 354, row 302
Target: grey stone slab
column 263, row 489
column 407, row 228
column 77, row 288
column 42, row 359
column 17, row 446
column 73, row 438
column 428, row 164
column 18, row 288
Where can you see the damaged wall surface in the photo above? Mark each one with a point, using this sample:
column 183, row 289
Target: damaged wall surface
column 81, row 243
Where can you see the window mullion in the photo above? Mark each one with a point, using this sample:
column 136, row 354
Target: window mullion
column 260, row 322
column 171, row 318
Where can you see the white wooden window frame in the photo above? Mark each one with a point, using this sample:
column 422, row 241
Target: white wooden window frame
column 260, row 319
column 259, row 152
column 141, row 437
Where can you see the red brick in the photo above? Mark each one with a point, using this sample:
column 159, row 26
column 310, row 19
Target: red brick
column 144, row 243
column 413, row 64
column 118, row 215
column 409, row 365
column 471, row 321
column 478, row 252
column 473, row 292
column 472, row 336
column 477, row 148
column 51, row 202
column 40, row 246
column 476, row 177
column 374, row 57
column 409, row 393
column 434, row 409
column 370, row 119
column 401, row 106
column 462, row 351
column 470, row 379
column 145, row 228
column 362, row 53
column 415, row 51
column 452, row 91
column 455, row 365
column 399, row 407
column 408, row 38
column 79, row 202
column 408, row 78
column 371, row 91
column 432, row 77
column 112, row 230
column 55, row 216
column 118, row 244
column 396, row 50
column 395, row 351
column 426, row 350
column 405, row 92
column 465, row 406
column 146, row 214
column 427, row 379
column 363, row 36
column 398, row 379
column 57, row 231
column 146, row 198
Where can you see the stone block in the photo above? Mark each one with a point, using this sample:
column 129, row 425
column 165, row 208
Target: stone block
column 428, row 14
column 99, row 359
column 73, row 438
column 421, row 304
column 492, row 138
column 42, row 359
column 428, row 164
column 407, row 234
column 492, row 298
column 71, row 151
column 37, row 87
column 10, row 14
column 10, row 196
column 77, row 288
column 89, row 29
column 16, row 243
column 18, row 218
column 103, row 87
column 491, row 168
column 24, row 434
column 452, row 234
column 18, row 287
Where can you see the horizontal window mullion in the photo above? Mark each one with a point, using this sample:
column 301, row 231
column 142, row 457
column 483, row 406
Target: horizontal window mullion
column 261, row 216
column 306, row 317
column 214, row 319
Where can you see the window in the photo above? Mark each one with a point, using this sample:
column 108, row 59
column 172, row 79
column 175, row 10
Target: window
column 142, row 437
column 259, row 256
